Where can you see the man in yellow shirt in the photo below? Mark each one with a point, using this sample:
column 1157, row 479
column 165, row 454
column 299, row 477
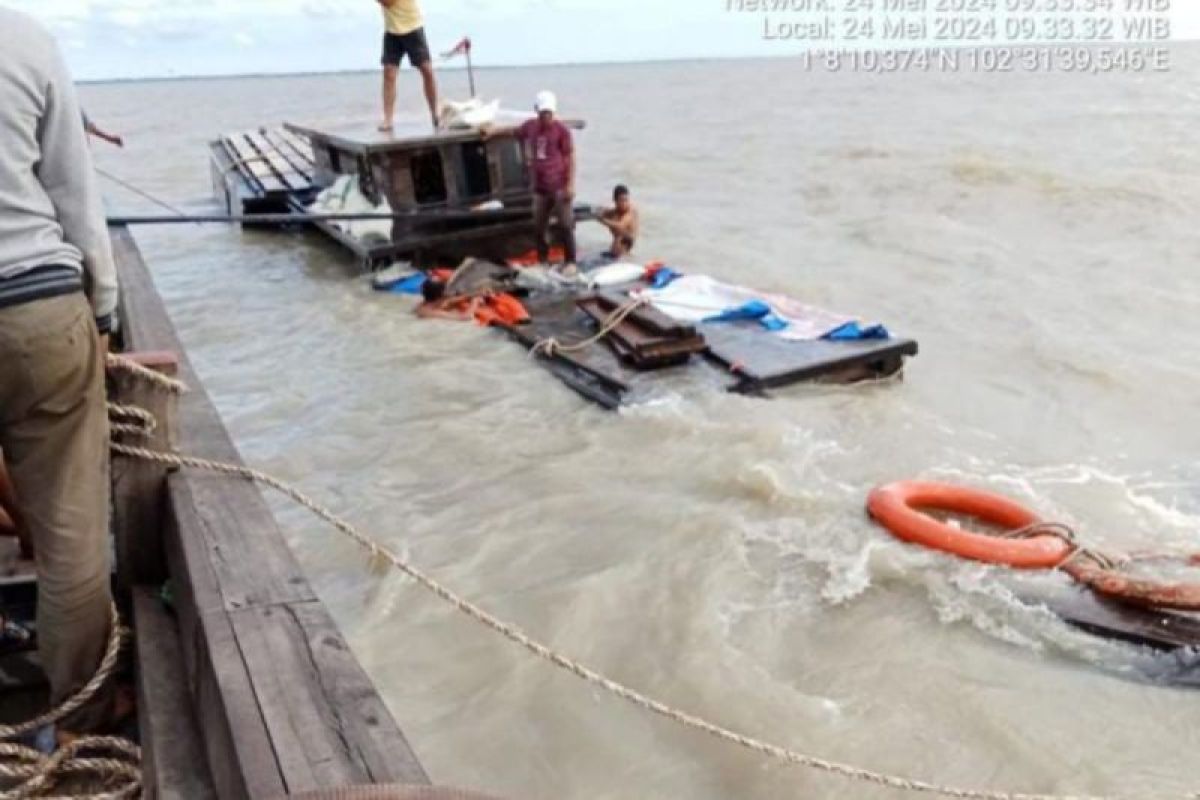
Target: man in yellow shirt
column 405, row 35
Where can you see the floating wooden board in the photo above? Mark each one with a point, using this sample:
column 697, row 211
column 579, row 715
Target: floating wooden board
column 647, row 316
column 1160, row 630
column 593, row 372
column 761, row 360
column 757, row 359
column 637, row 346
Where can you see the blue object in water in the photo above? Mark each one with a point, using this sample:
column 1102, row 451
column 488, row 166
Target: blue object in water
column 409, row 285
column 755, row 310
column 853, row 332
column 664, row 277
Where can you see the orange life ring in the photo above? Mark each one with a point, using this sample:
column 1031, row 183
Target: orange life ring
column 1135, row 591
column 898, row 508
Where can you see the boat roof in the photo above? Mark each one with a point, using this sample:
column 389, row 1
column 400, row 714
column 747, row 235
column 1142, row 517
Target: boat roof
column 364, row 138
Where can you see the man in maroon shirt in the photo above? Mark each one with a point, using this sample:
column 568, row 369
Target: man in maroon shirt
column 550, row 155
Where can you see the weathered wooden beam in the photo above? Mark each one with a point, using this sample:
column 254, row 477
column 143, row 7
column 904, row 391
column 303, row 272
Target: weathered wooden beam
column 139, row 487
column 282, row 704
column 173, row 762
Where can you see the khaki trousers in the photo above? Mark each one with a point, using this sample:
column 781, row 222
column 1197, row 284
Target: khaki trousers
column 54, row 434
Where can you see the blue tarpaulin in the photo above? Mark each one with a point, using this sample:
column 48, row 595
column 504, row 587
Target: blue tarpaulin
column 410, row 284
column 664, row 277
column 853, row 331
column 753, row 310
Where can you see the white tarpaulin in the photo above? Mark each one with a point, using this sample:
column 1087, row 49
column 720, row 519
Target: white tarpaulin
column 695, row 298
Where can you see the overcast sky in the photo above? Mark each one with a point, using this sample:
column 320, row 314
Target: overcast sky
column 159, row 38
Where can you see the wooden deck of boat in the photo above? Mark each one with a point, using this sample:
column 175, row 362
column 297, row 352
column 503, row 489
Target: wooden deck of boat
column 364, row 138
column 261, row 171
column 761, row 360
column 247, row 687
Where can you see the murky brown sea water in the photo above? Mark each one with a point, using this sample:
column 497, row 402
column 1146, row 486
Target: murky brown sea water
column 1038, row 235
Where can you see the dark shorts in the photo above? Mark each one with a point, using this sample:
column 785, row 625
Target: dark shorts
column 412, row 44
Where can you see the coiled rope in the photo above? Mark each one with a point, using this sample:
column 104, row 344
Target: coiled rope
column 380, row 554
column 113, row 761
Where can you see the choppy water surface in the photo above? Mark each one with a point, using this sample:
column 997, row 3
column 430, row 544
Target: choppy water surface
column 1038, row 235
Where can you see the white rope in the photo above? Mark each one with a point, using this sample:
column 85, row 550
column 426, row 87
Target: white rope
column 549, row 347
column 36, row 772
column 144, row 423
column 381, row 554
column 118, row 363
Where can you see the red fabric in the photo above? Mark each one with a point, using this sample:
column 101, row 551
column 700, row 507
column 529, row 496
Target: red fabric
column 490, row 309
column 462, row 48
column 551, row 145
column 501, row 309
column 530, row 258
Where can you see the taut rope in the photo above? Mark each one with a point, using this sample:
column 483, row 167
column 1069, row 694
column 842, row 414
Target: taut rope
column 381, row 554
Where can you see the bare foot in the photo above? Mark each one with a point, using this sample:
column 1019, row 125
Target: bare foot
column 384, row 127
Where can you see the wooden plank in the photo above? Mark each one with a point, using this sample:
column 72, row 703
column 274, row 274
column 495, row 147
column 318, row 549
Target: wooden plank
column 328, row 724
column 365, row 140
column 767, row 361
column 250, row 162
column 174, row 766
column 256, row 163
column 281, row 703
column 286, row 150
column 238, row 165
column 594, row 373
column 648, row 317
column 299, row 145
column 232, row 728
column 644, row 349
column 138, row 487
column 1160, row 630
column 269, row 155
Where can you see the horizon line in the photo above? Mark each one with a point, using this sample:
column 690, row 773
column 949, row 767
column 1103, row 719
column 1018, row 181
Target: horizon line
column 459, row 67
column 455, row 68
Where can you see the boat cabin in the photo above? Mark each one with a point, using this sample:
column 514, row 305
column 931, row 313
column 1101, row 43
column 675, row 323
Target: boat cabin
column 453, row 187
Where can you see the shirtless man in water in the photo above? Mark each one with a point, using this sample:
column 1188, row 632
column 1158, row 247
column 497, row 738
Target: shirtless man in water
column 623, row 221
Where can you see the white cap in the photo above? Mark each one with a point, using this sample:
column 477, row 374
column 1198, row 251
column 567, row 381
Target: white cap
column 546, row 101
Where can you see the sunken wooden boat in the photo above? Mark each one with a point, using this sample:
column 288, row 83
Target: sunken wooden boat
column 454, row 193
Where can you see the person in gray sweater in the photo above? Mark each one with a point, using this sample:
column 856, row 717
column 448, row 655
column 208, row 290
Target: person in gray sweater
column 58, row 293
